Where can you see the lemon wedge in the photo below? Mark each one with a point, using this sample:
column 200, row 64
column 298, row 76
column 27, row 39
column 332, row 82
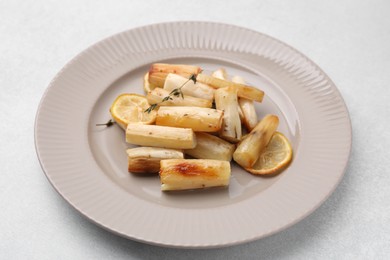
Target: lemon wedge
column 276, row 156
column 130, row 109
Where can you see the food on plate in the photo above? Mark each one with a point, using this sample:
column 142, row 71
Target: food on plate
column 276, row 156
column 250, row 148
column 147, row 159
column 220, row 74
column 247, row 108
column 207, row 117
column 226, row 100
column 147, row 86
column 130, row 109
column 184, row 174
column 249, row 113
column 199, row 119
column 161, row 136
column 211, row 147
column 157, row 95
column 188, row 87
column 243, row 90
column 159, row 71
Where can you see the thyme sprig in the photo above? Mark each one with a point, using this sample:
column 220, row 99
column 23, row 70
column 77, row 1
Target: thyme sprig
column 175, row 92
column 108, row 124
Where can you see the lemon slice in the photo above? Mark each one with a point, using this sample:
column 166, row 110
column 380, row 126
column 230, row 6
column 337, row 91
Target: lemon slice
column 147, row 86
column 130, row 109
column 275, row 157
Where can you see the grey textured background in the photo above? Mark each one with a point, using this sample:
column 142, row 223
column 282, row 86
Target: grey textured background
column 350, row 40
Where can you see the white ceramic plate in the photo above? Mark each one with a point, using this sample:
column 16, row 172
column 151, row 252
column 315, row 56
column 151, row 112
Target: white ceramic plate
column 87, row 165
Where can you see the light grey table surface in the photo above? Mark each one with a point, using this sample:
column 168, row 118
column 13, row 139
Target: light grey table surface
column 349, row 40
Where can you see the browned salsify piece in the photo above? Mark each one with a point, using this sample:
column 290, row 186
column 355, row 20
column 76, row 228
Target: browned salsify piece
column 211, row 147
column 187, row 174
column 147, row 159
column 199, row 119
column 159, row 71
column 226, row 100
column 160, row 136
column 157, row 95
column 250, row 148
column 244, row 91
